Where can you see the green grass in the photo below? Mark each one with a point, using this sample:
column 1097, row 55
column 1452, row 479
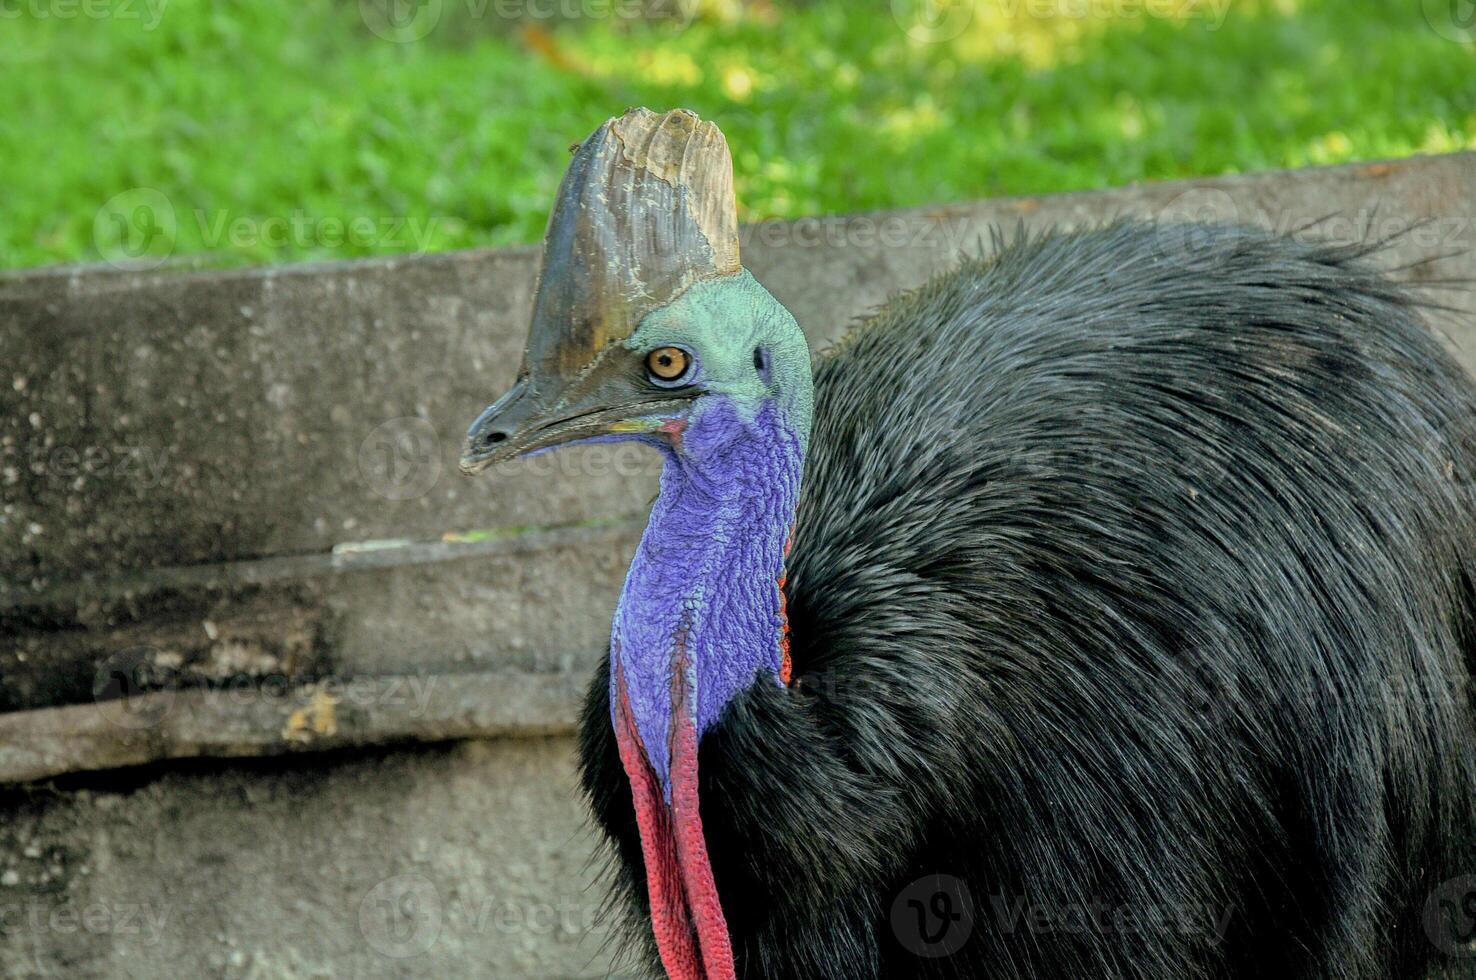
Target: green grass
column 284, row 131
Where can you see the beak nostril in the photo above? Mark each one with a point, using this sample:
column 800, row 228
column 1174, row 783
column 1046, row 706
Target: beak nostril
column 493, row 438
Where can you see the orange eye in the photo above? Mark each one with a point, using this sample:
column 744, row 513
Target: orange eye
column 667, row 363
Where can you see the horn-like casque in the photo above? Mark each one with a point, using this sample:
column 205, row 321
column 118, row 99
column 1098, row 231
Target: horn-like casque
column 645, row 210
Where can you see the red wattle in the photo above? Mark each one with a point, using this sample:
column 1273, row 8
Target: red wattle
column 786, row 664
column 691, row 847
column 686, row 916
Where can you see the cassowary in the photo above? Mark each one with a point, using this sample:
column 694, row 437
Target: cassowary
column 1103, row 608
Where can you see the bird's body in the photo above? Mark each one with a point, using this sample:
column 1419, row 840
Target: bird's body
column 1106, row 609
column 1131, row 617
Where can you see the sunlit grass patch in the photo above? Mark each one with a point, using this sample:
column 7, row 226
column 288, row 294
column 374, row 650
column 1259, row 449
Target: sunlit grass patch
column 281, row 132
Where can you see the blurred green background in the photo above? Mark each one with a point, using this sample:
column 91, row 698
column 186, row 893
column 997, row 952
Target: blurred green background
column 226, row 131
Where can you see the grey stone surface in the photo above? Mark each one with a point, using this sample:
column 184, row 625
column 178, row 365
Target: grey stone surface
column 178, row 450
column 541, row 609
column 460, row 861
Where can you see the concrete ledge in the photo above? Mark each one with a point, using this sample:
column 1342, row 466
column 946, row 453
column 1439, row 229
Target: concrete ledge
column 131, row 729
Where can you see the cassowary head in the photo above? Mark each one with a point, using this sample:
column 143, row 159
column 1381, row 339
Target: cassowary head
column 643, row 318
column 646, row 327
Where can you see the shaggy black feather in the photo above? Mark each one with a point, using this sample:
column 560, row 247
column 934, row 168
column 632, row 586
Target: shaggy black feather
column 1133, row 573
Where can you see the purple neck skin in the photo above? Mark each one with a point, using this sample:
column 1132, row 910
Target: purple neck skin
column 706, row 574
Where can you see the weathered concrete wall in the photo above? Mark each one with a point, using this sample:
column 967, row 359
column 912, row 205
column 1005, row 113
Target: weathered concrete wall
column 194, row 472
column 462, row 861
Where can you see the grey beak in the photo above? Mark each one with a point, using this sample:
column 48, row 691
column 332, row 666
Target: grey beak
column 491, row 438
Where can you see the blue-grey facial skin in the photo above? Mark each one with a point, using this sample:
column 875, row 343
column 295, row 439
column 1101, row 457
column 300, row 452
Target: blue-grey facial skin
column 722, row 322
column 702, row 595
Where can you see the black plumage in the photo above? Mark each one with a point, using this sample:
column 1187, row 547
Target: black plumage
column 1133, row 572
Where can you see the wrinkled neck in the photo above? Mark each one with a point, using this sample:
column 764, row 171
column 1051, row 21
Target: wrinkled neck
column 703, row 592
